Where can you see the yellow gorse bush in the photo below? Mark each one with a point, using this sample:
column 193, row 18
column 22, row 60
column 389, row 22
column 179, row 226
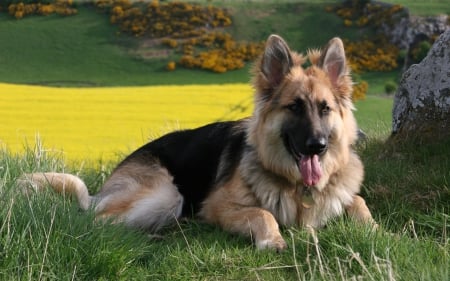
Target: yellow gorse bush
column 376, row 53
column 61, row 7
column 155, row 19
column 372, row 55
column 100, row 123
column 359, row 90
column 171, row 66
column 223, row 52
column 363, row 12
column 188, row 29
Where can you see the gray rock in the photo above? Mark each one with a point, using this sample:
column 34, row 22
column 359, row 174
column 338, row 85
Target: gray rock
column 422, row 101
column 409, row 30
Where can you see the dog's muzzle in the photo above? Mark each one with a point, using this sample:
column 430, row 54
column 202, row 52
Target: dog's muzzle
column 308, row 160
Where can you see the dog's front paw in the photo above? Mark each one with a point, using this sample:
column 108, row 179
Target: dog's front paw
column 276, row 243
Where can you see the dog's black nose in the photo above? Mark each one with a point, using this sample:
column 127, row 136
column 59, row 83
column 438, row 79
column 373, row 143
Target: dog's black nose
column 316, row 145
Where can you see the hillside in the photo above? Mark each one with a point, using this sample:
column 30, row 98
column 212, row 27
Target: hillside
column 86, row 50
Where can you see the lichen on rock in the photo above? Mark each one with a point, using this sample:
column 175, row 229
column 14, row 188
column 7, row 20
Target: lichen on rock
column 422, row 101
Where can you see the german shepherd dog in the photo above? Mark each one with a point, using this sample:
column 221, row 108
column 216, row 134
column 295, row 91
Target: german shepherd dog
column 290, row 163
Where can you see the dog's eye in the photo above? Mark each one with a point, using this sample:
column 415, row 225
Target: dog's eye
column 325, row 108
column 294, row 107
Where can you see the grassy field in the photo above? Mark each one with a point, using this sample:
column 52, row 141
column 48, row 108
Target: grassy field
column 45, row 237
column 39, row 50
column 424, row 8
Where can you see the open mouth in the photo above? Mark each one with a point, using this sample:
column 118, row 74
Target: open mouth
column 309, row 165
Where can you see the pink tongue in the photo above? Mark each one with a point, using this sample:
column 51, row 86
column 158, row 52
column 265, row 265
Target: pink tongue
column 310, row 170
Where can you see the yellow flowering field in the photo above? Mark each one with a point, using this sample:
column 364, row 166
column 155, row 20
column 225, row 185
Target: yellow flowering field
column 100, row 123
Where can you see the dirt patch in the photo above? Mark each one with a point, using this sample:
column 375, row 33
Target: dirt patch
column 152, row 54
column 150, row 43
column 151, row 48
column 259, row 14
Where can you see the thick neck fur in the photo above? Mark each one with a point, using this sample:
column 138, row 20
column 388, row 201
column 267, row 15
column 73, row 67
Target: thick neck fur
column 275, row 193
column 283, row 198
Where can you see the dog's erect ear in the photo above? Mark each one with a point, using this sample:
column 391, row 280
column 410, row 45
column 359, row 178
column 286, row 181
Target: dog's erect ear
column 276, row 61
column 333, row 60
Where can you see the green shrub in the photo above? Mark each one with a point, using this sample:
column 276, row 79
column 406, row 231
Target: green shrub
column 390, row 87
column 401, row 57
column 420, row 51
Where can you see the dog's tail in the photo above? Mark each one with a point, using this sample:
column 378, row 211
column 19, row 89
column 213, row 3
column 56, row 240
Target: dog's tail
column 60, row 182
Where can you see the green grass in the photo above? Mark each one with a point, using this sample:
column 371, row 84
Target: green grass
column 424, row 7
column 422, row 188
column 374, row 115
column 378, row 80
column 305, row 25
column 83, row 50
column 44, row 236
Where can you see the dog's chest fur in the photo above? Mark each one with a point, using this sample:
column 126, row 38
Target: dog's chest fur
column 274, row 193
column 284, row 199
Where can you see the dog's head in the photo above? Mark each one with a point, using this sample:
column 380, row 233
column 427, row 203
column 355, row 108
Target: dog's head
column 303, row 116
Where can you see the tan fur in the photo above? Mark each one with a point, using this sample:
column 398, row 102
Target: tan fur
column 140, row 196
column 62, row 183
column 265, row 188
column 235, row 208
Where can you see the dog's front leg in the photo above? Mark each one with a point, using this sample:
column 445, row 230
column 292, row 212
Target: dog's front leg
column 250, row 221
column 360, row 212
column 256, row 222
column 235, row 209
